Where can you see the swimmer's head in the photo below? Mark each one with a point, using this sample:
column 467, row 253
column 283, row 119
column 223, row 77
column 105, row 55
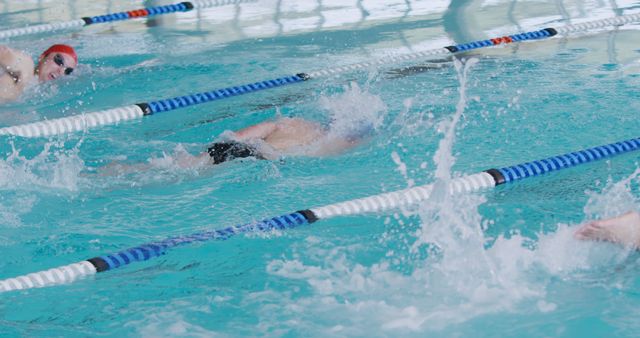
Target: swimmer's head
column 227, row 151
column 56, row 61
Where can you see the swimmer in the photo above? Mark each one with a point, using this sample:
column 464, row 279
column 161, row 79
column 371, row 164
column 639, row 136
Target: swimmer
column 267, row 140
column 623, row 229
column 285, row 136
column 17, row 70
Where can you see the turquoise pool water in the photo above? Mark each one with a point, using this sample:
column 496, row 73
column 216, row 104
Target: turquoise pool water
column 496, row 263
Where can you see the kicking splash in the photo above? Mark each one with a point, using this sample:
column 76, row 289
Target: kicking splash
column 53, row 168
column 348, row 286
column 458, row 280
column 617, row 208
column 355, row 113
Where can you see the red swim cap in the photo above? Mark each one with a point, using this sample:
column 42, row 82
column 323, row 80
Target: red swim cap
column 60, row 49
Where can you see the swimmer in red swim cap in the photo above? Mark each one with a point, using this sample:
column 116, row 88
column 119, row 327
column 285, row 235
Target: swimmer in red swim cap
column 17, row 69
column 56, row 61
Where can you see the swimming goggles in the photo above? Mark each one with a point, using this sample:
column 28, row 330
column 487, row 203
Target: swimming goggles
column 59, row 60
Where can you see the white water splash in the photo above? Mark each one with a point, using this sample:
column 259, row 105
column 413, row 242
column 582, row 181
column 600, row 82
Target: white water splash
column 402, row 168
column 412, row 123
column 326, row 289
column 441, row 212
column 378, row 300
column 460, row 280
column 23, row 180
column 52, row 168
column 615, row 199
column 171, row 323
column 356, row 112
column 444, row 155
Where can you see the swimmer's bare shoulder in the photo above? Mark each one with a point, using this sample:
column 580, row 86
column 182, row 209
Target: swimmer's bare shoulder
column 16, row 72
column 298, row 125
column 257, row 131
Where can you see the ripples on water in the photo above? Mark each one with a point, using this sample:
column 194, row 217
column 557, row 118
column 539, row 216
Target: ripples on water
column 501, row 262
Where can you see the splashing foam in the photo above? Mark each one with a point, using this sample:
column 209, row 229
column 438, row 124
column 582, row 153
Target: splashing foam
column 170, row 322
column 354, row 112
column 615, row 199
column 460, row 281
column 51, row 169
column 474, row 280
column 22, row 180
column 412, row 123
column 462, row 278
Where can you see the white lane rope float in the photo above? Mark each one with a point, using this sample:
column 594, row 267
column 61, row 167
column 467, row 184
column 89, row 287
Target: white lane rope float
column 377, row 203
column 85, row 121
column 113, row 17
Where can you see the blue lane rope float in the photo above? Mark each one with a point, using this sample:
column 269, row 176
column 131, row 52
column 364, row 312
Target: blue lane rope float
column 486, row 179
column 541, row 34
column 89, row 120
column 112, row 17
column 189, row 100
column 156, row 249
column 112, row 116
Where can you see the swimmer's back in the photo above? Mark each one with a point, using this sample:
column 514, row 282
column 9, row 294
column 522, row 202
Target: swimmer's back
column 294, row 132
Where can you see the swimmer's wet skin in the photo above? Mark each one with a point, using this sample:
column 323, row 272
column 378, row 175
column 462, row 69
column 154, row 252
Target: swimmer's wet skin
column 17, row 70
column 623, row 229
column 375, row 203
column 57, row 126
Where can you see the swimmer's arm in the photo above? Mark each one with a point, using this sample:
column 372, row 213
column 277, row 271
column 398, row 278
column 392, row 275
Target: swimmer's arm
column 182, row 160
column 15, row 76
column 9, row 64
column 258, row 131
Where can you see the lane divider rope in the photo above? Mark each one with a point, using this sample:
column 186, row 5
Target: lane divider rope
column 112, row 17
column 76, row 123
column 377, row 203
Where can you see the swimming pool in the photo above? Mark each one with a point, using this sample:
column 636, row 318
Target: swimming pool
column 428, row 270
